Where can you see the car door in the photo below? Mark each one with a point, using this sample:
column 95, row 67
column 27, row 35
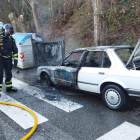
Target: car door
column 66, row 73
column 93, row 71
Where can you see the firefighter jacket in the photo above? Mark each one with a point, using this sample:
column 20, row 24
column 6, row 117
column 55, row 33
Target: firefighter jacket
column 8, row 48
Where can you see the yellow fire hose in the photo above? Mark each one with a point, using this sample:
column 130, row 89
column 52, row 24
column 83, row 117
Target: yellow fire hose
column 31, row 112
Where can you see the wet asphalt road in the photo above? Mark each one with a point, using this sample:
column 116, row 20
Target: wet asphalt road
column 87, row 123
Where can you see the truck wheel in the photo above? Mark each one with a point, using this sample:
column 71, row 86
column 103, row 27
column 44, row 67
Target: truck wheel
column 45, row 79
column 114, row 97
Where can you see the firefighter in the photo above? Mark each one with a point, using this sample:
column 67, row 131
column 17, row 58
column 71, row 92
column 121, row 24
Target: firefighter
column 1, row 25
column 8, row 50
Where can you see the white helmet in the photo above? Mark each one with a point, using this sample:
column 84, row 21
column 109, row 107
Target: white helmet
column 1, row 25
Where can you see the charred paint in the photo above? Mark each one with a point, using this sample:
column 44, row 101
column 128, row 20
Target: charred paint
column 66, row 76
column 48, row 53
column 65, row 73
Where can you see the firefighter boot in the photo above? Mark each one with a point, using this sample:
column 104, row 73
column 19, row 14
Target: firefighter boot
column 11, row 89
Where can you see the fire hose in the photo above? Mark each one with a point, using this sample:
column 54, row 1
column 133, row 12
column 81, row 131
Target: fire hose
column 31, row 112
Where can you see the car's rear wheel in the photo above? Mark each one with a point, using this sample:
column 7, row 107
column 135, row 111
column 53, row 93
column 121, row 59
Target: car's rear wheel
column 45, row 79
column 114, row 97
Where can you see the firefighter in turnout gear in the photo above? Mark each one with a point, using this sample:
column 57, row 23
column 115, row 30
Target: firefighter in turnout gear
column 8, row 50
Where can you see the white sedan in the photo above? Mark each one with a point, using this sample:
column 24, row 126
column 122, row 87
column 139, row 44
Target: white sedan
column 111, row 71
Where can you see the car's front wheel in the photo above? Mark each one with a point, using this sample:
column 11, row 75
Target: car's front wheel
column 114, row 97
column 45, row 79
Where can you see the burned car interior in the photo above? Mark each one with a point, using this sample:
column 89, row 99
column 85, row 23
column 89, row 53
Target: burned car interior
column 73, row 60
column 73, row 64
column 93, row 59
column 97, row 59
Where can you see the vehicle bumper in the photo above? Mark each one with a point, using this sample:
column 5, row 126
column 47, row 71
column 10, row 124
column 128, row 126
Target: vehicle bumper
column 133, row 93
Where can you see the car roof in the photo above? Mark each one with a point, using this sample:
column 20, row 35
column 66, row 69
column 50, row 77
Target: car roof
column 105, row 47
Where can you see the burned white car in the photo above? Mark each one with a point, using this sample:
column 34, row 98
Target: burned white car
column 111, row 71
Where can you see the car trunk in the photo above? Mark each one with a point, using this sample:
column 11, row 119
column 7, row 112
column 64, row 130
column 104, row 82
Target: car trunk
column 134, row 60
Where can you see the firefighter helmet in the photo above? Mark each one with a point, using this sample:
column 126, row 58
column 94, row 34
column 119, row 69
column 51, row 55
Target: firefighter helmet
column 7, row 29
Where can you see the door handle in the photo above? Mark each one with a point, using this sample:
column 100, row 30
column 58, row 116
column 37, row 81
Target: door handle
column 102, row 73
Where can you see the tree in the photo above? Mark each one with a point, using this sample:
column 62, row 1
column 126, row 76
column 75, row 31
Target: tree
column 100, row 23
column 4, row 11
column 36, row 21
column 13, row 21
column 17, row 19
column 21, row 23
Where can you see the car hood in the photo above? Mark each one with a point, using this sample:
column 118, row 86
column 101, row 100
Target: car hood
column 48, row 67
column 135, row 56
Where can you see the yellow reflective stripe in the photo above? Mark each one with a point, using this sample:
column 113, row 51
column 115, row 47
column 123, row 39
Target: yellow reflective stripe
column 9, row 82
column 0, row 84
column 9, row 85
column 15, row 58
column 15, row 54
column 0, row 89
column 6, row 56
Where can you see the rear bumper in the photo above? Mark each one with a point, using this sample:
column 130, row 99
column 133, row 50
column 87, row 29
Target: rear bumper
column 133, row 93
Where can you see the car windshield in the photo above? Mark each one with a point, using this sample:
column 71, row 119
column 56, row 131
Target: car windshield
column 124, row 54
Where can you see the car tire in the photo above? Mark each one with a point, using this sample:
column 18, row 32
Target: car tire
column 114, row 97
column 45, row 79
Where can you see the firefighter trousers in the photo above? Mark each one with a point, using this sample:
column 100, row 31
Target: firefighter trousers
column 6, row 65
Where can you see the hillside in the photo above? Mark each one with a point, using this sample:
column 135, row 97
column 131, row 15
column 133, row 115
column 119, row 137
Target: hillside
column 74, row 20
column 78, row 29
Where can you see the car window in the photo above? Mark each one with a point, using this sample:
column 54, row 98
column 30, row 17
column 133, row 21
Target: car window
column 106, row 61
column 73, row 60
column 124, row 54
column 94, row 59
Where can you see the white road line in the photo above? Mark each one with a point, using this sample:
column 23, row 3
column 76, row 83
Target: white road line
column 125, row 131
column 63, row 103
column 20, row 116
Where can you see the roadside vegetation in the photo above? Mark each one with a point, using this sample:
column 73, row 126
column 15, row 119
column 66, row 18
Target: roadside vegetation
column 73, row 19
